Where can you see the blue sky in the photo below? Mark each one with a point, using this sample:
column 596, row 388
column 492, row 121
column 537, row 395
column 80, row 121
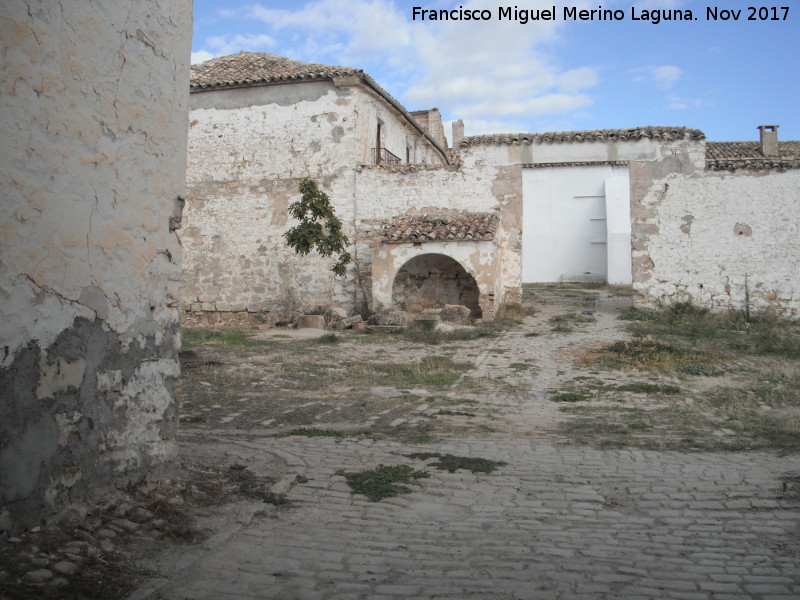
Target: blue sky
column 723, row 77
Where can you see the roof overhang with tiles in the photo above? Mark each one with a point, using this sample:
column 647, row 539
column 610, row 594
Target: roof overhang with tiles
column 473, row 227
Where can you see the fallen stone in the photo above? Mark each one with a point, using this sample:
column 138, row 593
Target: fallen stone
column 106, row 534
column 65, row 567
column 395, row 317
column 444, row 328
column 455, row 313
column 124, row 509
column 106, row 546
column 311, row 322
column 338, row 313
column 429, row 315
column 38, row 576
column 126, row 525
column 351, row 322
column 142, row 514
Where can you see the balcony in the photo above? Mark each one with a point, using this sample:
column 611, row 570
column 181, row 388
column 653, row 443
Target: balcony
column 381, row 156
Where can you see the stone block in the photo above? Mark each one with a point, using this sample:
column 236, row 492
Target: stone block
column 338, row 312
column 311, row 322
column 455, row 313
column 351, row 322
column 395, row 317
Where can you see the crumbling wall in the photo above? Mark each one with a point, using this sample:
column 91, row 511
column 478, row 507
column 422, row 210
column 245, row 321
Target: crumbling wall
column 94, row 102
column 384, row 192
column 248, row 151
column 713, row 238
column 433, row 281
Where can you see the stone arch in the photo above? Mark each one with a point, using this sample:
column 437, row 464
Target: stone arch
column 433, row 280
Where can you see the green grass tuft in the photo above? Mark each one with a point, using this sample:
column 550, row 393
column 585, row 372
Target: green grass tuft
column 383, row 482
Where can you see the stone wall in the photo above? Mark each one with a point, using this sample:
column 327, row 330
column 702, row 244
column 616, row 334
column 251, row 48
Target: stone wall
column 713, row 237
column 94, row 101
column 248, row 150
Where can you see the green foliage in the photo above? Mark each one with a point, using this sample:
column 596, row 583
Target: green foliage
column 569, row 397
column 383, row 482
column 450, row 463
column 310, row 432
column 319, row 228
column 193, row 337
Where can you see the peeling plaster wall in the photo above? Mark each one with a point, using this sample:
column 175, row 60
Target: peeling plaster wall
column 95, row 103
column 383, row 193
column 248, row 150
column 698, row 234
column 479, row 259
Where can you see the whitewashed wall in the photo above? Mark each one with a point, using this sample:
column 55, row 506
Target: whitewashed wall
column 706, row 231
column 248, row 150
column 94, row 101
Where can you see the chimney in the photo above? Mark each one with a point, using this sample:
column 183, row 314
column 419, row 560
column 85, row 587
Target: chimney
column 769, row 140
column 458, row 132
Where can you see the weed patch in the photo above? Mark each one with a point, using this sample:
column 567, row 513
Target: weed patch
column 649, row 388
column 431, row 372
column 569, row 397
column 454, row 413
column 194, row 337
column 642, row 353
column 383, row 482
column 309, row 432
column 450, row 463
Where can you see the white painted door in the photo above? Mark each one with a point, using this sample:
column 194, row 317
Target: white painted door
column 564, row 223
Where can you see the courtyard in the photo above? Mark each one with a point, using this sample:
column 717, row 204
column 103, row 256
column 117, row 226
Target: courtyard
column 574, row 448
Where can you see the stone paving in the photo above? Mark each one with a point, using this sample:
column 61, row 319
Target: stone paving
column 556, row 521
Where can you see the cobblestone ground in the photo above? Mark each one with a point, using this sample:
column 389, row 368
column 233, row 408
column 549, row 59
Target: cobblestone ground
column 557, row 520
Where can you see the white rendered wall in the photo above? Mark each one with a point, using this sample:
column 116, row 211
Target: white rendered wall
column 94, row 104
column 706, row 231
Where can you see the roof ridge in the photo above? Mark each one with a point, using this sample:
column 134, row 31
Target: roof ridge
column 587, row 135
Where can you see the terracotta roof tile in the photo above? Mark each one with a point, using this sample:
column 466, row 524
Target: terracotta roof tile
column 248, row 68
column 592, row 135
column 476, row 227
column 731, row 156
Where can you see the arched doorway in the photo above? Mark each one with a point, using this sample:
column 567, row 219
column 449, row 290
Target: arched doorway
column 433, row 280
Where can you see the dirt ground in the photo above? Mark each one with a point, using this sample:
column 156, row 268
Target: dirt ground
column 563, row 369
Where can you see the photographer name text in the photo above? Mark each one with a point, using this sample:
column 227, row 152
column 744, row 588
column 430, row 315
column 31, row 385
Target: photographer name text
column 653, row 16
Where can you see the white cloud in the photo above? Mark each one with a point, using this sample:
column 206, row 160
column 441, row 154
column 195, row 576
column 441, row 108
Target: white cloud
column 202, row 56
column 489, row 73
column 679, row 103
column 371, row 28
column 663, row 77
column 221, row 45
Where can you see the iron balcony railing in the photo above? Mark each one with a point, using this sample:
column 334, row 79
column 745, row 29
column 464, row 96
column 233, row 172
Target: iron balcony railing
column 381, row 156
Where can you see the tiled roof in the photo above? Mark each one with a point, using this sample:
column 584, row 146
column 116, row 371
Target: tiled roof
column 252, row 68
column 748, row 150
column 592, row 135
column 476, row 227
column 732, row 156
column 259, row 68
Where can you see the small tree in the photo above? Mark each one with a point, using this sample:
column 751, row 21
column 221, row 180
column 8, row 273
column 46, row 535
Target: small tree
column 319, row 228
